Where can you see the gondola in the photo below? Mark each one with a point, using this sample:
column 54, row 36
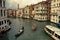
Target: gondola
column 20, row 32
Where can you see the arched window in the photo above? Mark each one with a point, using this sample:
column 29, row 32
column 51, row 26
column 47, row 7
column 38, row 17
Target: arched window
column 0, row 3
column 4, row 3
column 4, row 13
column 5, row 21
column 1, row 13
column 0, row 23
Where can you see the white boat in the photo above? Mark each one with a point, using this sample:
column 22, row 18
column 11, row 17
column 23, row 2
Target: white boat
column 54, row 32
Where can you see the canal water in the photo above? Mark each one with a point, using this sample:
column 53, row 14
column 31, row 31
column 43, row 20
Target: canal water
column 28, row 34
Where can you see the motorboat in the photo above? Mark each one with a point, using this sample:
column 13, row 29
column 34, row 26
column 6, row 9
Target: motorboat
column 54, row 32
column 20, row 32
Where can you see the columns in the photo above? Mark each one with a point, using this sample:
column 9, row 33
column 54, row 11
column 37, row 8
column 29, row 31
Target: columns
column 2, row 12
column 2, row 3
column 6, row 13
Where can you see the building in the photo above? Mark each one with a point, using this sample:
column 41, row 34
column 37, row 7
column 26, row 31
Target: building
column 26, row 12
column 9, row 12
column 55, row 11
column 42, row 11
column 31, row 11
column 3, row 17
column 17, row 13
column 21, row 12
column 14, row 12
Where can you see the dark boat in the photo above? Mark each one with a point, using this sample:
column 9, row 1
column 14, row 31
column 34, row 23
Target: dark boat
column 20, row 32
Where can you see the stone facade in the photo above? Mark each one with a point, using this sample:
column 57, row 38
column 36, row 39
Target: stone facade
column 3, row 17
column 55, row 11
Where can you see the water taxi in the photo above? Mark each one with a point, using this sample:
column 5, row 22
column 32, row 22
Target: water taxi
column 54, row 32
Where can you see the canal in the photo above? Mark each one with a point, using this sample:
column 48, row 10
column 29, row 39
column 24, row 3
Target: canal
column 28, row 34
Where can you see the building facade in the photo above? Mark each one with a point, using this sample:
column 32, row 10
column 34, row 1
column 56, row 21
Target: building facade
column 19, row 12
column 9, row 12
column 31, row 11
column 55, row 11
column 3, row 17
column 26, row 12
column 41, row 11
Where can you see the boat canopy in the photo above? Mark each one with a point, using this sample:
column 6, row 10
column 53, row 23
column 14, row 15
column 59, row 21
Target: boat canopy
column 58, row 33
column 55, row 29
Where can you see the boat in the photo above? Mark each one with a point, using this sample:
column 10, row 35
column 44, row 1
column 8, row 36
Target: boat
column 20, row 32
column 54, row 32
column 33, row 27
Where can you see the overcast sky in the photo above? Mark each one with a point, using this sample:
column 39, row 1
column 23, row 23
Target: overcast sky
column 22, row 3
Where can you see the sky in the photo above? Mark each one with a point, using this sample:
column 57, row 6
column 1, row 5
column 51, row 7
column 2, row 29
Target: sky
column 22, row 3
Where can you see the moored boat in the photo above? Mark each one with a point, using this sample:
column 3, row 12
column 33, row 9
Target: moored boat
column 53, row 32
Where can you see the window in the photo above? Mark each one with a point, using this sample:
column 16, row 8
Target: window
column 43, row 17
column 59, row 21
column 5, row 26
column 1, row 13
column 4, row 3
column 37, row 7
column 59, row 17
column 59, row 37
column 57, row 0
column 59, row 4
column 2, row 27
column 52, row 32
column 49, row 30
column 33, row 8
column 0, row 3
column 54, row 0
column 55, row 35
column 4, row 12
column 26, row 11
column 54, row 5
column 53, row 10
column 5, row 21
column 0, row 23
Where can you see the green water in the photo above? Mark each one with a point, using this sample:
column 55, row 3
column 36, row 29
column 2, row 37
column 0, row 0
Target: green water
column 28, row 34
